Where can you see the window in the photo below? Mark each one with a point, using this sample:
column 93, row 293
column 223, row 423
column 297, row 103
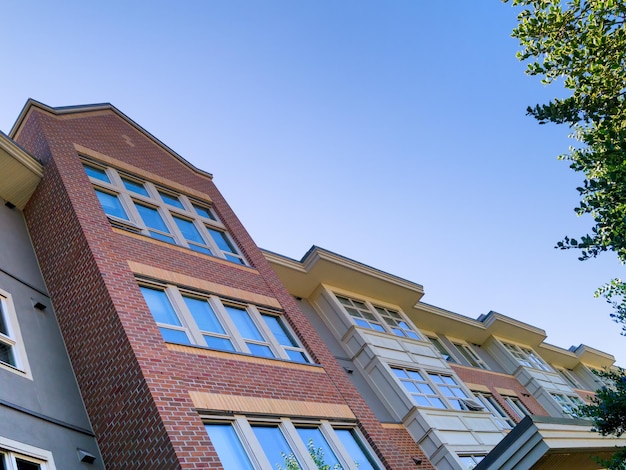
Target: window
column 568, row 403
column 11, row 461
column 19, row 456
column 186, row 318
column 442, row 349
column 281, row 444
column 470, row 461
column 377, row 318
column 491, row 405
column 433, row 389
column 527, row 357
column 518, row 407
column 143, row 207
column 470, row 356
column 569, row 377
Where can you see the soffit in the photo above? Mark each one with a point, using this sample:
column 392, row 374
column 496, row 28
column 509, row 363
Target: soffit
column 319, row 266
column 19, row 173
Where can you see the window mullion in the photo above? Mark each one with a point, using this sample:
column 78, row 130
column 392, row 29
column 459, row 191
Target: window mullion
column 377, row 315
column 179, row 239
column 250, row 443
column 337, row 446
column 184, row 315
column 266, row 333
column 296, row 444
column 229, row 325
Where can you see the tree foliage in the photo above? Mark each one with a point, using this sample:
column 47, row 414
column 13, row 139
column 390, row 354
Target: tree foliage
column 582, row 45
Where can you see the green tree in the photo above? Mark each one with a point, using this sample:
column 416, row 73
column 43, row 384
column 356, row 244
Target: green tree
column 581, row 44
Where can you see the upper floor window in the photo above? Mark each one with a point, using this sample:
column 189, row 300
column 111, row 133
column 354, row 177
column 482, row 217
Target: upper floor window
column 491, row 404
column 16, row 455
column 187, row 318
column 527, row 357
column 11, row 461
column 285, row 444
column 442, row 349
column 470, row 355
column 568, row 403
column 8, row 353
column 432, row 389
column 518, row 407
column 569, row 377
column 161, row 214
column 377, row 318
column 470, row 461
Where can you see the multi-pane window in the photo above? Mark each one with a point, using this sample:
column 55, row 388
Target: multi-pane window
column 174, row 218
column 12, row 461
column 569, row 377
column 8, row 353
column 432, row 389
column 470, row 461
column 470, row 356
column 186, row 318
column 377, row 318
column 248, row 444
column 491, row 405
column 518, row 407
column 442, row 349
column 527, row 357
column 568, row 403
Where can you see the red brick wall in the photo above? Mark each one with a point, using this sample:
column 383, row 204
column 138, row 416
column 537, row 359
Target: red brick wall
column 135, row 389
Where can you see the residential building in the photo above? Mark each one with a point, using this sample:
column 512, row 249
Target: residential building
column 43, row 422
column 473, row 393
column 188, row 351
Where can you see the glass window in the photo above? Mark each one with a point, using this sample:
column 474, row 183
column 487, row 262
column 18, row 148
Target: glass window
column 198, row 227
column 518, row 407
column 568, row 403
column 153, row 220
column 111, row 205
column 249, row 331
column 275, row 446
column 318, row 448
column 356, row 449
column 12, row 461
column 491, row 404
column 171, row 200
column 135, row 187
column 396, row 323
column 442, row 349
column 419, row 388
column 284, row 338
column 228, row 446
column 161, row 308
column 450, row 389
column 208, row 323
column 96, row 173
column 527, row 357
column 361, row 313
column 470, row 461
column 7, row 344
column 470, row 356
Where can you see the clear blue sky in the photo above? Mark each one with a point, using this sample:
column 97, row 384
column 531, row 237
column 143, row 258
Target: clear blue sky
column 391, row 132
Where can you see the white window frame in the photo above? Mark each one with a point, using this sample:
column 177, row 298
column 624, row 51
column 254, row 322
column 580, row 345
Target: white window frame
column 427, row 379
column 243, row 427
column 26, row 452
column 129, row 200
column 527, row 357
column 470, row 355
column 568, row 403
column 569, row 377
column 518, row 407
column 442, row 349
column 491, row 405
column 14, row 337
column 380, row 321
column 475, row 459
column 175, row 296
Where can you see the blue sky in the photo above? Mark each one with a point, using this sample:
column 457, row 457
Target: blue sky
column 391, row 132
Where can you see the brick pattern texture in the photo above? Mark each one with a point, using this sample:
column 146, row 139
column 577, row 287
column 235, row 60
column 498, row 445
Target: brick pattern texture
column 136, row 390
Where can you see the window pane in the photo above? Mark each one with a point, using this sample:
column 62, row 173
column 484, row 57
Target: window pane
column 25, row 465
column 160, row 306
column 297, row 356
column 152, row 218
column 279, row 331
column 111, row 205
column 228, row 447
column 356, row 449
column 6, row 354
column 204, row 315
column 318, row 448
column 200, row 249
column 274, row 445
column 2, row 464
column 243, row 322
column 219, row 343
column 135, row 187
column 203, row 212
column 174, row 336
column 3, row 326
column 189, row 230
column 221, row 241
column 96, row 173
column 260, row 350
column 171, row 200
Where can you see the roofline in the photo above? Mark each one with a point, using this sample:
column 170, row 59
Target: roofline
column 88, row 108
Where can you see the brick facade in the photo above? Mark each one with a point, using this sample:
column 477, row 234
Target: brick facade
column 135, row 386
